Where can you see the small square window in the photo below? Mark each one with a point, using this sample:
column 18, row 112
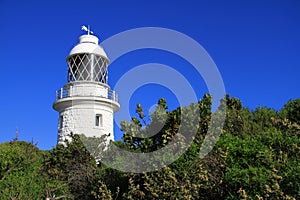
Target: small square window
column 99, row 120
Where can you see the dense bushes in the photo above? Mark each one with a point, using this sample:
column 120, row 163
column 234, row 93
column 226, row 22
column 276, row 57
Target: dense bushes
column 256, row 157
column 20, row 163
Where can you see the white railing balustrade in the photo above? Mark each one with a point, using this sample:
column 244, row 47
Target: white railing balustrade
column 108, row 94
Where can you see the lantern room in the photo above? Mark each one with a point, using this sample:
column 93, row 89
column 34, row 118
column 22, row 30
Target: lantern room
column 87, row 61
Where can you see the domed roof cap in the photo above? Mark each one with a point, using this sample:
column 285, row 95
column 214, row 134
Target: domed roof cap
column 88, row 44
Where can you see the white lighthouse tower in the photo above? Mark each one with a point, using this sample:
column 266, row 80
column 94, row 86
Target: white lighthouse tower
column 86, row 104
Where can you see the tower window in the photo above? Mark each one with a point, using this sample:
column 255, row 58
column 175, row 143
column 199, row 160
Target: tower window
column 61, row 121
column 99, row 120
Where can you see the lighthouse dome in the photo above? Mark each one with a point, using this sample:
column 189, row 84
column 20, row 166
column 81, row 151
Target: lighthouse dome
column 88, row 44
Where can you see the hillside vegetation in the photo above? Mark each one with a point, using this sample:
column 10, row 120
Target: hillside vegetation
column 256, row 157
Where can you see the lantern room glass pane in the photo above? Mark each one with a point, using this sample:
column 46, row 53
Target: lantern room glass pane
column 87, row 67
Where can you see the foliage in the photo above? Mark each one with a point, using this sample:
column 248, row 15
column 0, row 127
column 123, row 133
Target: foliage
column 19, row 176
column 256, row 157
column 291, row 111
column 103, row 192
column 72, row 169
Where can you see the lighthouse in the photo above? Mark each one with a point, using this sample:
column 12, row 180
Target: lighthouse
column 86, row 104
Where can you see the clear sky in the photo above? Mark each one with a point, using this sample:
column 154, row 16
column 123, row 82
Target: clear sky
column 255, row 45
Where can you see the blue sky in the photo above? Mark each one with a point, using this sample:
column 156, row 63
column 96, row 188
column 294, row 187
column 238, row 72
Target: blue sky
column 255, row 45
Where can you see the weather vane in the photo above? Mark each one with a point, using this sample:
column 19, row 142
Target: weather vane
column 87, row 29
